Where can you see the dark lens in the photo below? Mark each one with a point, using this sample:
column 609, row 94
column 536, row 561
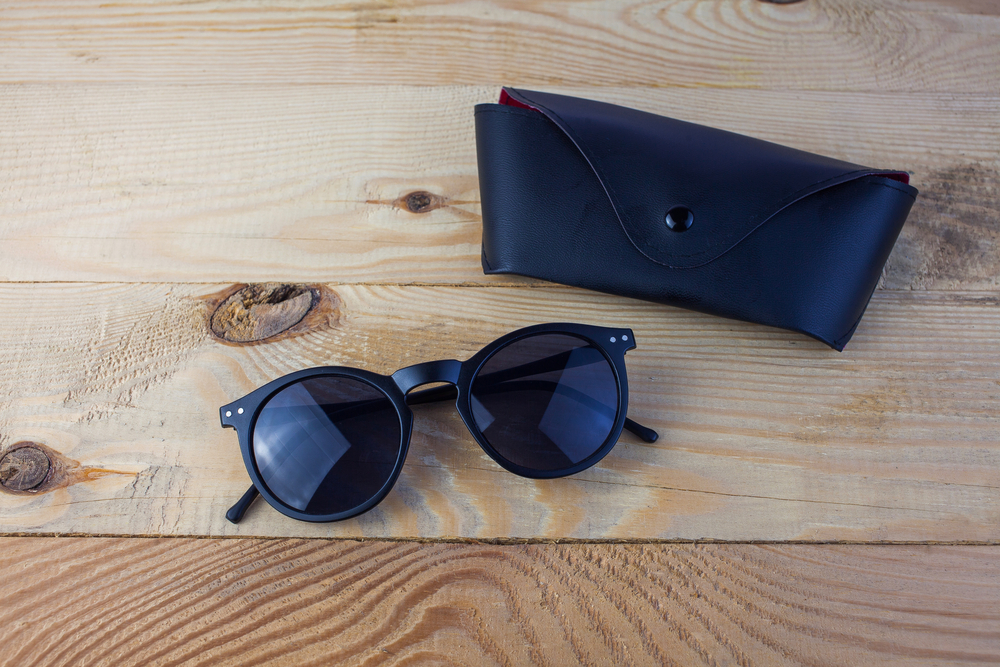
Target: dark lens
column 546, row 402
column 326, row 444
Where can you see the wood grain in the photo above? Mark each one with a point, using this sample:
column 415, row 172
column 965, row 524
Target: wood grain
column 856, row 45
column 309, row 183
column 167, row 152
column 765, row 434
column 250, row 602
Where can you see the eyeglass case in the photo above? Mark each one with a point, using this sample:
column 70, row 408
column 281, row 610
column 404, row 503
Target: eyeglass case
column 617, row 200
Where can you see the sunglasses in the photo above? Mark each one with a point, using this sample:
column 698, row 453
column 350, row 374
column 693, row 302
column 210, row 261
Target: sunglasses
column 327, row 443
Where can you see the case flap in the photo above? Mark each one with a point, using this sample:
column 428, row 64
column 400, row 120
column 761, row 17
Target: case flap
column 649, row 165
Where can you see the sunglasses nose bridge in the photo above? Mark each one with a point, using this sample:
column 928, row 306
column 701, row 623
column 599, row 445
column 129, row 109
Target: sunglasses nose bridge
column 446, row 370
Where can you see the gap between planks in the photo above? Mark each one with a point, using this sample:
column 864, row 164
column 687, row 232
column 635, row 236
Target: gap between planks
column 499, row 541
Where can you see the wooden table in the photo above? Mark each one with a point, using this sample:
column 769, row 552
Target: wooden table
column 802, row 506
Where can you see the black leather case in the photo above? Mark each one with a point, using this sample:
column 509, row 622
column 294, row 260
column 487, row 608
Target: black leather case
column 578, row 192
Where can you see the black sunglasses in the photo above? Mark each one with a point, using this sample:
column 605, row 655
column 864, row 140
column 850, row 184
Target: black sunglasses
column 327, row 443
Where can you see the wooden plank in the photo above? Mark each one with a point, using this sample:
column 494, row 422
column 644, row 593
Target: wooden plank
column 126, row 173
column 309, row 183
column 247, row 602
column 871, row 45
column 764, row 434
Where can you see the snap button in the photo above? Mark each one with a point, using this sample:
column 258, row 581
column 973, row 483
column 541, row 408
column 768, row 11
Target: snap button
column 679, row 218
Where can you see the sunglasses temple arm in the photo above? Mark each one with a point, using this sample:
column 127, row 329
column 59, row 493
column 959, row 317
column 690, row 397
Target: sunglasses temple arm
column 645, row 434
column 237, row 511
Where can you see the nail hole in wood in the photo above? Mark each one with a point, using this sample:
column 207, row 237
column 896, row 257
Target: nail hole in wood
column 24, row 467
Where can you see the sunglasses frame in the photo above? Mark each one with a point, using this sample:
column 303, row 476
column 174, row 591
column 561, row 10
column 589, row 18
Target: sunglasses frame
column 242, row 414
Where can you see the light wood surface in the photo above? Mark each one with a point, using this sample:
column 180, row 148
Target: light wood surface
column 156, row 157
column 870, row 45
column 251, row 602
column 141, row 183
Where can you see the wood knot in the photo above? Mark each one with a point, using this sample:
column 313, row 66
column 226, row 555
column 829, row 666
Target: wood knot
column 31, row 468
column 257, row 312
column 246, row 314
column 420, row 201
column 24, row 467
